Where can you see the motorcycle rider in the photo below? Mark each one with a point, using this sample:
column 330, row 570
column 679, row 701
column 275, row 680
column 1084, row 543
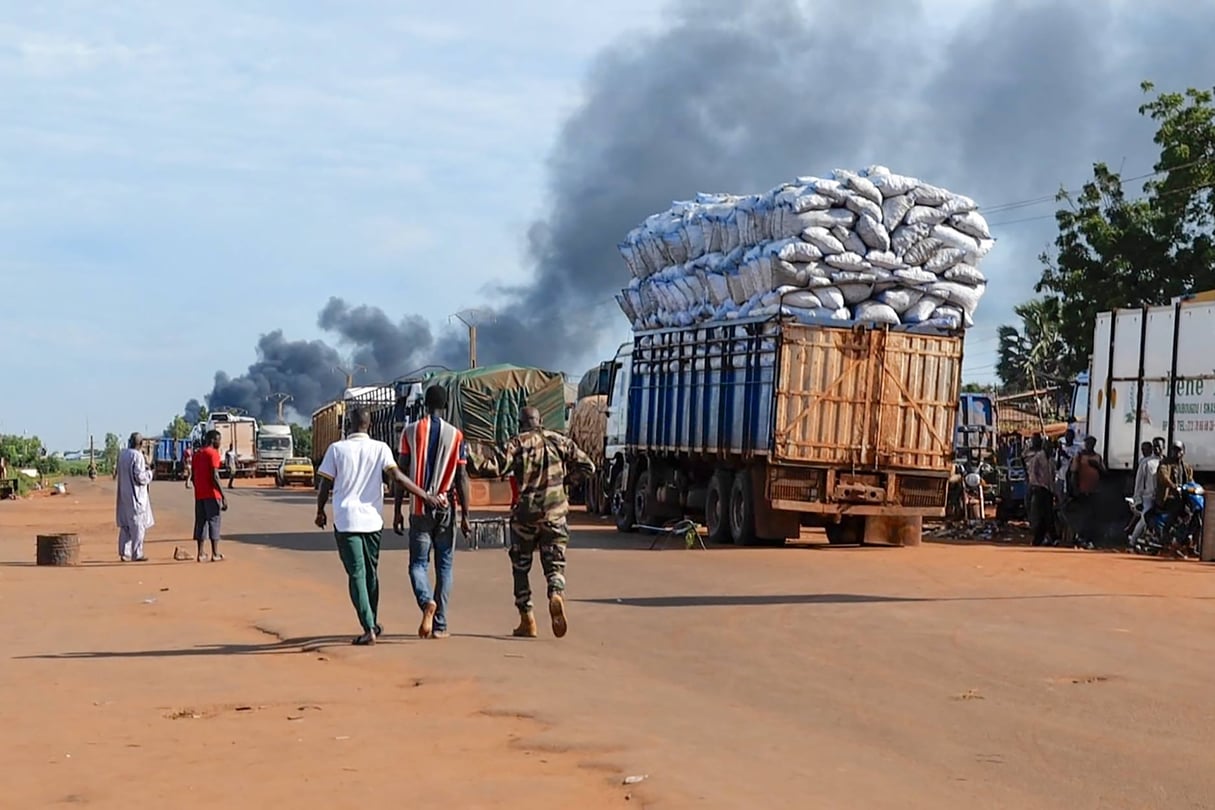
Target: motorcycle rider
column 1172, row 473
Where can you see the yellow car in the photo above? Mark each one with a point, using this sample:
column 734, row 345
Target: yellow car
column 294, row 471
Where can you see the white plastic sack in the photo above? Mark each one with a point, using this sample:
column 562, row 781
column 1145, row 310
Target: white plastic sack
column 822, row 239
column 956, row 239
column 904, row 237
column 964, row 296
column 828, row 219
column 894, row 209
column 925, row 215
column 915, row 275
column 894, row 185
column 900, row 299
column 850, row 239
column 831, row 297
column 803, row 299
column 719, row 290
column 799, row 250
column 959, row 204
column 811, row 315
column 855, row 293
column 875, row 312
column 832, row 190
column 965, row 274
column 862, row 186
column 864, row 206
column 944, row 259
column 972, row 224
column 922, row 250
column 922, row 310
column 873, row 234
column 926, row 194
column 847, row 261
column 885, row 260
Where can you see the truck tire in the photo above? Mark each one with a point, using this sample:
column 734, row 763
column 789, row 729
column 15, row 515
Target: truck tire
column 742, row 511
column 850, row 531
column 717, row 507
column 626, row 517
column 642, row 514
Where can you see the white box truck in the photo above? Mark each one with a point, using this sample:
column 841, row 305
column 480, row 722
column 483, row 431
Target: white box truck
column 1152, row 375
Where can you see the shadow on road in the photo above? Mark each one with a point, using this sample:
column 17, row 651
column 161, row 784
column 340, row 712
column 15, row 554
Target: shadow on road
column 752, row 600
column 289, row 645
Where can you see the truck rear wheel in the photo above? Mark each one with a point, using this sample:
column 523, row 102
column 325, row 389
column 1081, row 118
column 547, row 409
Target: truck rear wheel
column 742, row 510
column 641, row 498
column 717, row 502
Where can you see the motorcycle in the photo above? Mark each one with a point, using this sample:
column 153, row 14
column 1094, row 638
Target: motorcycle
column 1179, row 531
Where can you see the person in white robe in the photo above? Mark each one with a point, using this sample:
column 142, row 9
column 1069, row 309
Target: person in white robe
column 134, row 507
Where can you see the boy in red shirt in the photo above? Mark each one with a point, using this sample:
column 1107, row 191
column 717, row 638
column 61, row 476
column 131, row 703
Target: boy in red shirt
column 209, row 498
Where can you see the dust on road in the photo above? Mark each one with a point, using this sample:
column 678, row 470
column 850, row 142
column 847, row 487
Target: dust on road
column 944, row 676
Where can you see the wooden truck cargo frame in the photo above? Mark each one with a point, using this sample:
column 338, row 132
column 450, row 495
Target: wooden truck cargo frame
column 763, row 426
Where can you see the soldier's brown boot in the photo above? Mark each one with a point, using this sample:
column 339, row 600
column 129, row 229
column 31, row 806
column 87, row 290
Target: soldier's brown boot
column 527, row 625
column 556, row 610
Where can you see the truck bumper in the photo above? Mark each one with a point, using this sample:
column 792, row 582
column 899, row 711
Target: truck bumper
column 833, row 493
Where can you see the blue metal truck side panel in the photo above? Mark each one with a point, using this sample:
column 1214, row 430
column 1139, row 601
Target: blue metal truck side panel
column 706, row 390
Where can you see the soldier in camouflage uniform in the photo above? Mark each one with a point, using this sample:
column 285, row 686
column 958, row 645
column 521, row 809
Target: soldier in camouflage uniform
column 540, row 460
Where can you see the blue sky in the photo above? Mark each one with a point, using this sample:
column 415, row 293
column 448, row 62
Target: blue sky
column 176, row 179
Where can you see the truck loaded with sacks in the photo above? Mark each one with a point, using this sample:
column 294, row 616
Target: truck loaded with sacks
column 796, row 360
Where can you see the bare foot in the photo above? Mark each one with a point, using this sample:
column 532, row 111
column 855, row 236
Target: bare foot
column 428, row 620
column 202, row 558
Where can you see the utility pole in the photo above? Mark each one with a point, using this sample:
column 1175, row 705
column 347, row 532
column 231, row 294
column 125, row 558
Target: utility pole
column 349, row 373
column 280, row 400
column 472, row 318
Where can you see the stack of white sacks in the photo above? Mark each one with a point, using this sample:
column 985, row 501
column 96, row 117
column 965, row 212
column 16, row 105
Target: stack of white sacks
column 872, row 246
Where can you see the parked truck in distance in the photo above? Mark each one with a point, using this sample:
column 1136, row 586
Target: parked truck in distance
column 274, row 446
column 759, row 427
column 1151, row 376
column 169, row 458
column 238, row 433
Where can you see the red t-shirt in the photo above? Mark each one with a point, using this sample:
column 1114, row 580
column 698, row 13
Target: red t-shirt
column 206, row 462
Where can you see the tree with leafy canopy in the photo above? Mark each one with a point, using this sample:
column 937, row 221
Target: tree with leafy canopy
column 109, row 456
column 1034, row 354
column 301, row 440
column 179, row 428
column 1113, row 251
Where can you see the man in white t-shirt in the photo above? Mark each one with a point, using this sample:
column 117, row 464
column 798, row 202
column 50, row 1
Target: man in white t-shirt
column 353, row 469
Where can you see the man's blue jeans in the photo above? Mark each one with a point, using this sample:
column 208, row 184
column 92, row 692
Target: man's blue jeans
column 427, row 533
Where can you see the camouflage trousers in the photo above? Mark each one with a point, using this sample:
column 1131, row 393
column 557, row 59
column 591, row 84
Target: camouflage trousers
column 550, row 538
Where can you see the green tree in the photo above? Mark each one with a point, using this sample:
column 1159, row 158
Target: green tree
column 21, row 451
column 976, row 388
column 1035, row 353
column 203, row 414
column 179, row 428
column 109, row 456
column 301, row 438
column 1113, row 251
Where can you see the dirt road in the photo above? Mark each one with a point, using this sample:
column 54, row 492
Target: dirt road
column 807, row 677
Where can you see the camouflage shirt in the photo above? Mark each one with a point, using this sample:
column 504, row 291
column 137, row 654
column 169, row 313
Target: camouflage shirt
column 539, row 460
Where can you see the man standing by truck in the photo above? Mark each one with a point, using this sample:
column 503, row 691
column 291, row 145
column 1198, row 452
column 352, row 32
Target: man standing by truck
column 1040, row 475
column 540, row 459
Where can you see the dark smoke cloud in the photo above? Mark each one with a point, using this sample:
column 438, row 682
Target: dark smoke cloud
column 1020, row 98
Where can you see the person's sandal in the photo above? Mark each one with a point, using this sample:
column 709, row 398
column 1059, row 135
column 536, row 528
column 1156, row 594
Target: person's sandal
column 365, row 640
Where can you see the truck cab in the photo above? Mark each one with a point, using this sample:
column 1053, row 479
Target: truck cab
column 615, row 376
column 1078, row 420
column 274, row 446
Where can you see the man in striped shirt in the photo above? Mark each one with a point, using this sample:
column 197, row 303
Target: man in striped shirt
column 434, row 455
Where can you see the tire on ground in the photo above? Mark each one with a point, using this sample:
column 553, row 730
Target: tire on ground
column 742, row 511
column 717, row 507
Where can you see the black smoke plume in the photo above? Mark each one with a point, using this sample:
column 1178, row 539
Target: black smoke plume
column 1014, row 100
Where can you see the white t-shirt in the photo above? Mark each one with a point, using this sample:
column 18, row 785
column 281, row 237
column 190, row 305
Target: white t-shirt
column 356, row 466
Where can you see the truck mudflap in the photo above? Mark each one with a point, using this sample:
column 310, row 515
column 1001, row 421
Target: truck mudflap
column 827, row 491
